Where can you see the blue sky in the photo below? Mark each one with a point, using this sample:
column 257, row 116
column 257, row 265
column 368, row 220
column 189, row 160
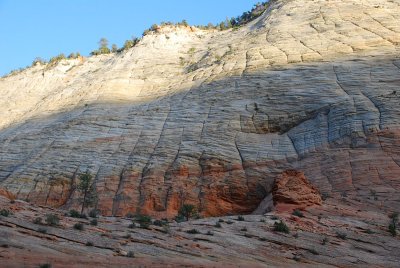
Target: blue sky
column 45, row 28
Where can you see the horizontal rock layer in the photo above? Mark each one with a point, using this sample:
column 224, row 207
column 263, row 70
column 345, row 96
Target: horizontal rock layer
column 211, row 118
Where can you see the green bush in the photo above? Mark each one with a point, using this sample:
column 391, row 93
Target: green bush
column 38, row 220
column 341, row 235
column 188, row 211
column 192, row 231
column 45, row 265
column 114, row 48
column 57, row 59
column 5, row 212
column 281, row 227
column 130, row 254
column 78, row 226
column 298, row 213
column 144, row 225
column 74, row 213
column 240, row 218
column 218, row 224
column 394, row 218
column 129, row 215
column 158, row 223
column 143, row 218
column 38, row 60
column 42, row 230
column 93, row 222
column 52, row 219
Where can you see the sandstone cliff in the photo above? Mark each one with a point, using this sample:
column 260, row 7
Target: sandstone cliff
column 311, row 86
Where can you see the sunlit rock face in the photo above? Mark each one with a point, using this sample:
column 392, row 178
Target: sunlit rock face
column 213, row 117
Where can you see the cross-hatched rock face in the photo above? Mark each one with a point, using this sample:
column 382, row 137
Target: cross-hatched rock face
column 211, row 118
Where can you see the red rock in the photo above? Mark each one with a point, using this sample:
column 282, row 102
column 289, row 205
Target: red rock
column 293, row 190
column 6, row 194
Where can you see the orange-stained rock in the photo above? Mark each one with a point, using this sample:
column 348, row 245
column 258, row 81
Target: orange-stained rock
column 293, row 190
column 7, row 194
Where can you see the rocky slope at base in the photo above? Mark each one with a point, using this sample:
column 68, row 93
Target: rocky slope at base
column 331, row 235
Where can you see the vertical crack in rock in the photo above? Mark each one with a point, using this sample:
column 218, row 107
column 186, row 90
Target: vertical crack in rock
column 242, row 161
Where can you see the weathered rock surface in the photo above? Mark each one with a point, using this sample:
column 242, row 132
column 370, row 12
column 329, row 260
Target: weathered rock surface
column 310, row 85
column 332, row 235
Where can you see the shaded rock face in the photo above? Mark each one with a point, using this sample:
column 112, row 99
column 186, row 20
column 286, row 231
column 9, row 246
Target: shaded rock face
column 310, row 86
column 292, row 187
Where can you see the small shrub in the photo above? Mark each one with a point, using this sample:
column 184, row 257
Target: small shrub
column 158, row 223
column 218, row 225
column 369, row 231
column 298, row 213
column 143, row 219
column 93, row 213
column 313, row 251
column 262, row 239
column 341, row 235
column 240, row 218
column 392, row 229
column 394, row 218
column 281, row 227
column 131, row 226
column 78, row 226
column 38, row 220
column 42, row 230
column 144, row 225
column 296, row 258
column 221, row 220
column 130, row 254
column 325, row 240
column 209, row 233
column 129, row 215
column 325, row 196
column 57, row 59
column 244, row 229
column 229, row 222
column 188, row 211
column 52, row 219
column 262, row 220
column 45, row 265
column 74, row 213
column 5, row 212
column 179, row 218
column 93, row 222
column 273, row 217
column 89, row 244
column 192, row 231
